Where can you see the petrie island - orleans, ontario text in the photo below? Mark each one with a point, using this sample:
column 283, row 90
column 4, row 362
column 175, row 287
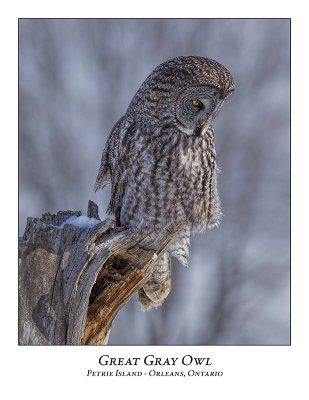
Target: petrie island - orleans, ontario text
column 151, row 360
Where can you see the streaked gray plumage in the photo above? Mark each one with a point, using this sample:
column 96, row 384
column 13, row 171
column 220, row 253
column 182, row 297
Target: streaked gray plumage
column 161, row 162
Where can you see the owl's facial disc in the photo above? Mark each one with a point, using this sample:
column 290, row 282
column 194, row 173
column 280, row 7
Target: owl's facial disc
column 196, row 109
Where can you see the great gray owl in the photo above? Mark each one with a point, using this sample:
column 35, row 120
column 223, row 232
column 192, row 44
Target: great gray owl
column 161, row 162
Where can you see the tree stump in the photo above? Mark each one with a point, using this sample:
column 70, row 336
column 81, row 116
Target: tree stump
column 73, row 279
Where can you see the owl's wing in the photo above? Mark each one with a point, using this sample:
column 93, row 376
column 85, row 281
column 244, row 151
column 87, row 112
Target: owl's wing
column 114, row 164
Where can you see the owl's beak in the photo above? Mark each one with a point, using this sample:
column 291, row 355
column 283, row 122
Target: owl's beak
column 212, row 116
column 201, row 123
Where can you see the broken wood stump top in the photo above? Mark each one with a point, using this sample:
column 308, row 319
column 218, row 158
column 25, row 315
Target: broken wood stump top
column 76, row 273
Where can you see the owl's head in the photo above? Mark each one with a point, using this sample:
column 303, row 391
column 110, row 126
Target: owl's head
column 185, row 92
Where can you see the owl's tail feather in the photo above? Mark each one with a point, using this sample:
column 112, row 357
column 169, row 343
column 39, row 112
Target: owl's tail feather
column 157, row 287
column 103, row 178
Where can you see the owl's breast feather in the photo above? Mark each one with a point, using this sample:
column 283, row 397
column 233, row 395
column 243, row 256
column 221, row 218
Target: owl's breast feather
column 189, row 161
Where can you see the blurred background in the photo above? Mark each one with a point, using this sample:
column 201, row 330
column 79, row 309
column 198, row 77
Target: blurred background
column 76, row 79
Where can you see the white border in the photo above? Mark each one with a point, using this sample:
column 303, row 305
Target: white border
column 249, row 372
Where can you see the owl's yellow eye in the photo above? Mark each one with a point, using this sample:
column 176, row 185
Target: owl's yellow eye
column 197, row 103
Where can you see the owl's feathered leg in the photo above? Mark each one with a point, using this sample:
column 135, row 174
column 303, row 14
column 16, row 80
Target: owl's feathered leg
column 156, row 289
column 180, row 247
column 158, row 286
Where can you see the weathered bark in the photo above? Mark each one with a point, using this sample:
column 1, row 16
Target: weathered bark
column 73, row 281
